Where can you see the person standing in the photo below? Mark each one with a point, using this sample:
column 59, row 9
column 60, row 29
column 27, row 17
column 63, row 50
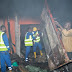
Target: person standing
column 67, row 40
column 36, row 34
column 4, row 50
column 28, row 42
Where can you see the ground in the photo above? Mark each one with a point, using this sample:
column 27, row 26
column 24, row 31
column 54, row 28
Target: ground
column 39, row 64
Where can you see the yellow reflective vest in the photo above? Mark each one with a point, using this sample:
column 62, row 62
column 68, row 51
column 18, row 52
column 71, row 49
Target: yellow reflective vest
column 2, row 45
column 28, row 42
column 37, row 37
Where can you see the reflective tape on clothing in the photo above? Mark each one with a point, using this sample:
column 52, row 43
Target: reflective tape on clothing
column 2, row 45
column 3, row 49
column 28, row 42
column 37, row 38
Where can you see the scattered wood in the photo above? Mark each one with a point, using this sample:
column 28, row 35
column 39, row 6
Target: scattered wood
column 21, row 67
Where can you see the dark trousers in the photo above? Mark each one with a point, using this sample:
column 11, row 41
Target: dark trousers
column 5, row 57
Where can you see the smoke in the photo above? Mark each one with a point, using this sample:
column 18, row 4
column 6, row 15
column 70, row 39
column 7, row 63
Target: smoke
column 25, row 8
column 5, row 8
column 61, row 10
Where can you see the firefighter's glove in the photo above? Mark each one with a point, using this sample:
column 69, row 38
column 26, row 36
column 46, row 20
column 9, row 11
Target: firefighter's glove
column 8, row 48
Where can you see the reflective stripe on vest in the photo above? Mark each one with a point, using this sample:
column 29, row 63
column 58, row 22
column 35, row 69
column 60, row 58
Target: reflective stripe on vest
column 2, row 45
column 37, row 38
column 28, row 42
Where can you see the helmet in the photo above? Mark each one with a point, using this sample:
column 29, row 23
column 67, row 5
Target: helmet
column 34, row 29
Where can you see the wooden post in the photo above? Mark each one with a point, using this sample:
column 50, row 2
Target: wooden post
column 17, row 35
column 1, row 22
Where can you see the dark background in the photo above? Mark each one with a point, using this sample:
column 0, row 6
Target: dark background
column 23, row 31
column 61, row 9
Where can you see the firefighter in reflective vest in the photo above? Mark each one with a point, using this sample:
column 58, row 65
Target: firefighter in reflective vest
column 4, row 50
column 36, row 34
column 28, row 42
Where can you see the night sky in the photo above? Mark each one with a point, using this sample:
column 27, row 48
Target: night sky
column 60, row 9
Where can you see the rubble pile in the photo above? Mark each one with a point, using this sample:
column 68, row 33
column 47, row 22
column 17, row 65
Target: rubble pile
column 38, row 65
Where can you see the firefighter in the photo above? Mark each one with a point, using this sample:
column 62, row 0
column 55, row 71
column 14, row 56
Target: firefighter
column 4, row 50
column 28, row 42
column 36, row 34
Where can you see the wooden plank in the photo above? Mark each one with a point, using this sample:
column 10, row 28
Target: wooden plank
column 17, row 35
column 53, row 47
column 70, row 61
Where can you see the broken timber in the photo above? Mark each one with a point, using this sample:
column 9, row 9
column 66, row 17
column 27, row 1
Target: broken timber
column 17, row 35
column 53, row 47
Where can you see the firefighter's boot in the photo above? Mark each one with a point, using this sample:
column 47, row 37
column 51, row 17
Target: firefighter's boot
column 34, row 54
column 41, row 53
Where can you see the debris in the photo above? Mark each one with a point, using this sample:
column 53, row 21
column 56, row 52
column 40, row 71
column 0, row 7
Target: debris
column 23, row 69
column 15, row 64
column 35, row 69
column 41, row 58
column 33, row 65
